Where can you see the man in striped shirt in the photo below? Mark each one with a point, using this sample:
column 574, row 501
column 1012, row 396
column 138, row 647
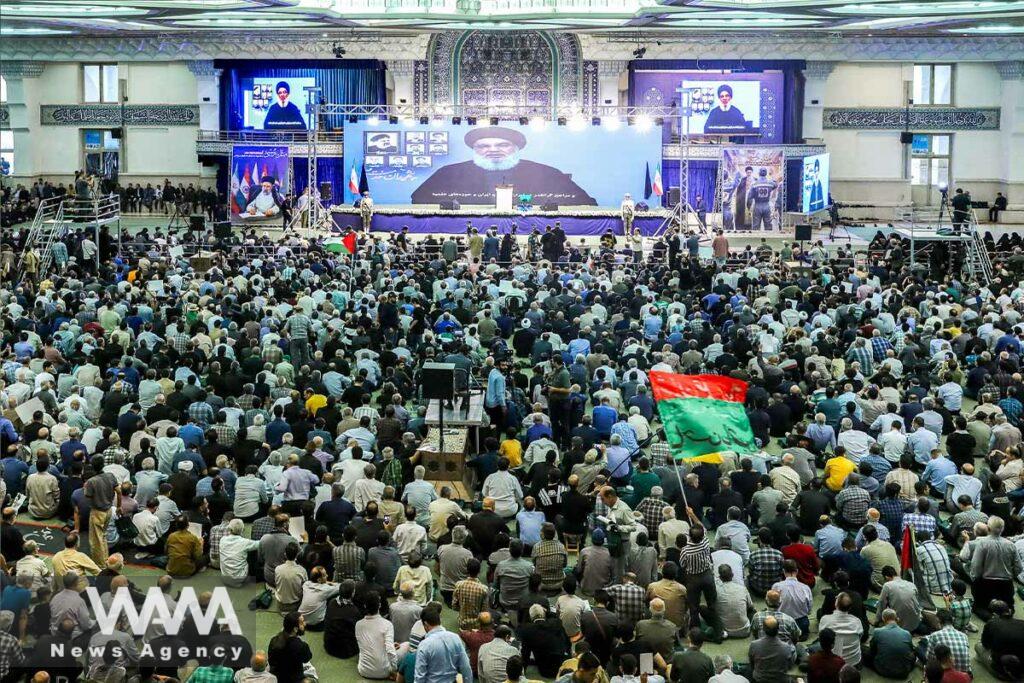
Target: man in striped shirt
column 696, row 565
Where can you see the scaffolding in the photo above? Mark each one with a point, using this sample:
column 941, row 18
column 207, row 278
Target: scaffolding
column 56, row 216
column 927, row 228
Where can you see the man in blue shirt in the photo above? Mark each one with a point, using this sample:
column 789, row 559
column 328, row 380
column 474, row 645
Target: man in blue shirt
column 494, row 400
column 441, row 654
column 936, row 471
column 538, row 430
column 15, row 471
column 604, row 416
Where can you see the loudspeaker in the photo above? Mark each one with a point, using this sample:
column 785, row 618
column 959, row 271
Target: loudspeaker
column 222, row 229
column 449, row 205
column 549, row 207
column 906, row 137
column 438, row 381
column 803, row 232
column 673, row 196
column 325, row 191
column 196, row 222
column 117, row 133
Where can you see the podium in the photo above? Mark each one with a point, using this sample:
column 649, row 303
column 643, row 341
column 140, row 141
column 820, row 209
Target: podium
column 503, row 197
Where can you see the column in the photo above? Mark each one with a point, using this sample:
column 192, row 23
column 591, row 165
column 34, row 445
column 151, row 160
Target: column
column 207, row 92
column 23, row 112
column 1011, row 126
column 401, row 72
column 609, row 74
column 815, row 76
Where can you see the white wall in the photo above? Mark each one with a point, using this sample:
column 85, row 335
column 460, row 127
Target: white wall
column 871, row 166
column 148, row 154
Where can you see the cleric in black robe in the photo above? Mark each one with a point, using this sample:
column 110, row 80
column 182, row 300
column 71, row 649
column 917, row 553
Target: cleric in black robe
column 817, row 200
column 496, row 161
column 742, row 220
column 284, row 114
column 725, row 119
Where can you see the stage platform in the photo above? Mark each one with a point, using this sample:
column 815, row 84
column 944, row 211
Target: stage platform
column 576, row 221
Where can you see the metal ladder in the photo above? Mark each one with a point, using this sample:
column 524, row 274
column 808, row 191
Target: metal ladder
column 47, row 227
column 979, row 265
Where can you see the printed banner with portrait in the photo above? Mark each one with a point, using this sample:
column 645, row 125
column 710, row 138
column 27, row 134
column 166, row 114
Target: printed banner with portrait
column 752, row 188
column 259, row 182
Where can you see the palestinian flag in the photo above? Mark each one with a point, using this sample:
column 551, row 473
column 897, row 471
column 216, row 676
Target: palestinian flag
column 703, row 415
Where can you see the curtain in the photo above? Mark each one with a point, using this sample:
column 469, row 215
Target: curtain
column 703, row 178
column 792, row 83
column 344, row 81
column 328, row 169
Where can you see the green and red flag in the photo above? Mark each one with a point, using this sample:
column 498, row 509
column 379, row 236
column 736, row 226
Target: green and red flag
column 703, row 415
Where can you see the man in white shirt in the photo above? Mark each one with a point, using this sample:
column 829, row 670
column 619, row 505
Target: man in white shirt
column 148, row 525
column 315, row 594
column 856, row 442
column 893, row 442
column 376, row 638
column 234, row 555
column 409, row 535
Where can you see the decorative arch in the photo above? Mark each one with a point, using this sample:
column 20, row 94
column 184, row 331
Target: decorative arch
column 527, row 69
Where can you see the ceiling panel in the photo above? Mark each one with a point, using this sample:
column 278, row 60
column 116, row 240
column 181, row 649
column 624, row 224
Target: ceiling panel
column 887, row 17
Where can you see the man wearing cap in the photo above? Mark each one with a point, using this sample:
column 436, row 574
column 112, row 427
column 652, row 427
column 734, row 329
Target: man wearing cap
column 366, row 210
column 725, row 119
column 628, row 210
column 284, row 114
column 267, row 202
column 496, row 161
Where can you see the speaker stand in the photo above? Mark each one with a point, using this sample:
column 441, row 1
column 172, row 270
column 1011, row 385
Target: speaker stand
column 440, row 425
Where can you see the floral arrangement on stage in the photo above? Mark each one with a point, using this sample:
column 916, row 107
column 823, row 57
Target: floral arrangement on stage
column 484, row 211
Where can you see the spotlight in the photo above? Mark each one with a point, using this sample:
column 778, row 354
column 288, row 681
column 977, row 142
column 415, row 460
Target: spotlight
column 494, row 120
column 456, row 120
column 424, row 120
column 596, row 121
column 471, row 120
column 373, row 121
column 392, row 119
column 644, row 123
column 639, row 52
column 338, row 50
column 523, row 120
column 630, row 120
column 612, row 124
column 352, row 118
column 659, row 121
column 561, row 120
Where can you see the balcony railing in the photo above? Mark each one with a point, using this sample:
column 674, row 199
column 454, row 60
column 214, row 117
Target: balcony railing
column 264, row 136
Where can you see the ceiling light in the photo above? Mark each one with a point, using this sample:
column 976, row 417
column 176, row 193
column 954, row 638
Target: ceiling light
column 456, row 120
column 424, row 120
column 352, row 118
column 595, row 121
column 561, row 120
column 639, row 52
column 392, row 119
column 338, row 50
column 523, row 120
column 471, row 120
column 494, row 120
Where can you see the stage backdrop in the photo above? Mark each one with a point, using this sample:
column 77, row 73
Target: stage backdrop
column 249, row 165
column 750, row 200
column 428, row 164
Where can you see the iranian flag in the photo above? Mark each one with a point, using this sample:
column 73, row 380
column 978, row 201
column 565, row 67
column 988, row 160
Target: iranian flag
column 656, row 185
column 353, row 180
column 703, row 415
